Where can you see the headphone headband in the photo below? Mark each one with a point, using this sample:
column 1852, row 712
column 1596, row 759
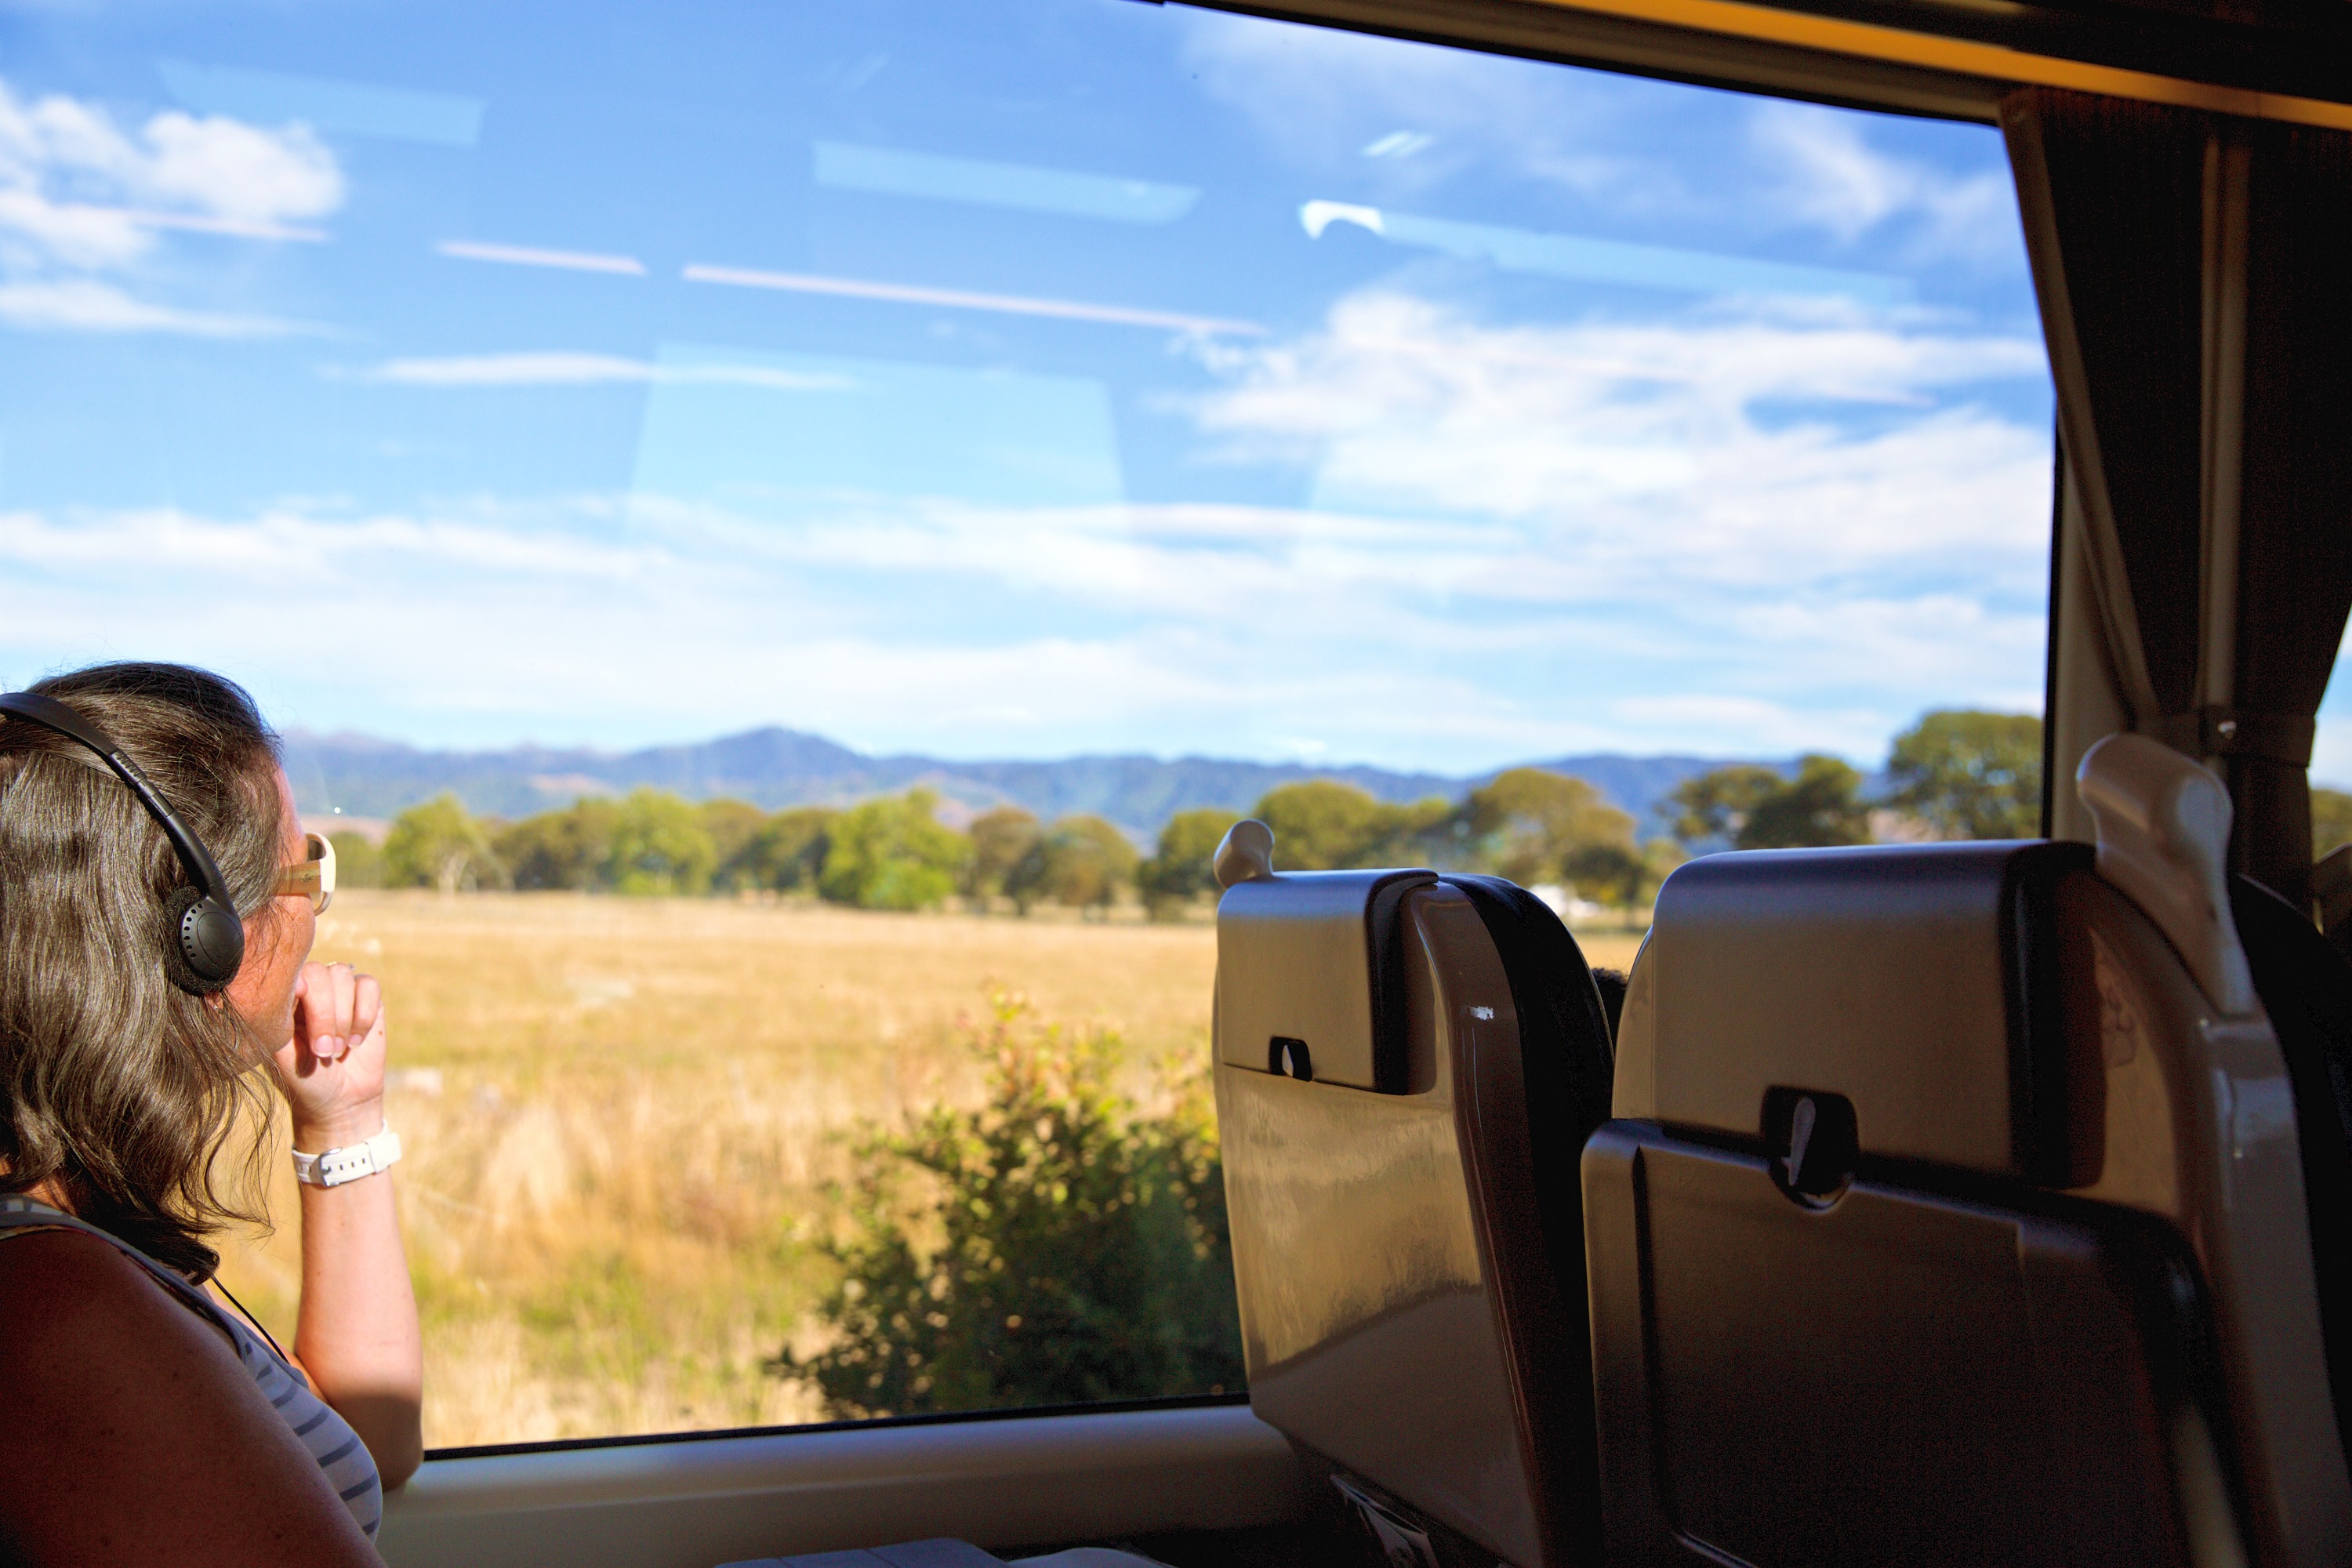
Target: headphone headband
column 209, row 942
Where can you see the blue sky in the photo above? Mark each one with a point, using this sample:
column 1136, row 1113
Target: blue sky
column 1003, row 379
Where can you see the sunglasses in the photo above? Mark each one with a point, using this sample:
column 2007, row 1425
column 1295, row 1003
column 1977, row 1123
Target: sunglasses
column 312, row 877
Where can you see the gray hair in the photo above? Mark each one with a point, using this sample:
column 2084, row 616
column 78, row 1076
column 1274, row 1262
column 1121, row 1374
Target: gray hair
column 115, row 1083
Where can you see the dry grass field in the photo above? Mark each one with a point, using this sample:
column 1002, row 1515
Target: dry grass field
column 620, row 1116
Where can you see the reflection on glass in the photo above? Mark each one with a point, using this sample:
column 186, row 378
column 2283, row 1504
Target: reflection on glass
column 957, row 391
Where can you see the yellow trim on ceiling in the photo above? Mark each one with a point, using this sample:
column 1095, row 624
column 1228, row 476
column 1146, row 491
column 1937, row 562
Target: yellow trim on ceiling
column 1962, row 57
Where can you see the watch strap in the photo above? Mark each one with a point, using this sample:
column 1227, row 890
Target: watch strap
column 334, row 1167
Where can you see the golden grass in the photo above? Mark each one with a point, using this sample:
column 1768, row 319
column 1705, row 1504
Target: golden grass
column 619, row 1116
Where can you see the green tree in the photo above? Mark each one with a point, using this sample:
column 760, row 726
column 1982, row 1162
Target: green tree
column 660, row 846
column 1536, row 826
column 569, row 849
column 440, row 845
column 1622, row 875
column 1081, row 861
column 1970, row 775
column 1179, row 871
column 1323, row 825
column 788, row 853
column 1431, row 831
column 732, row 824
column 1715, row 805
column 1755, row 808
column 1000, row 837
column 1056, row 1245
column 893, row 854
column 1822, row 805
column 2331, row 820
column 359, row 860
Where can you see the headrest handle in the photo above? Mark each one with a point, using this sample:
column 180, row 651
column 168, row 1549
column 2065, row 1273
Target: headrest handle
column 2164, row 839
column 1245, row 854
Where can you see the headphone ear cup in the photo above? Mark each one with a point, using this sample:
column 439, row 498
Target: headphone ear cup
column 205, row 945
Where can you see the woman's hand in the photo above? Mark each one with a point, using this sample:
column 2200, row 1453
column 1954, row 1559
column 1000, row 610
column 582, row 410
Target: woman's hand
column 332, row 1069
column 356, row 1335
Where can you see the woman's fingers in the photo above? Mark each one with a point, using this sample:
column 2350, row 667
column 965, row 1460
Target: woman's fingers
column 331, row 1007
column 367, row 1010
column 347, row 988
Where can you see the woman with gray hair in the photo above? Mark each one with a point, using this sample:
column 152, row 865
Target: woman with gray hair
column 158, row 901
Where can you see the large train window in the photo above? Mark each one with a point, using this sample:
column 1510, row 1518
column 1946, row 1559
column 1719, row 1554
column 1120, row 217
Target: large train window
column 780, row 534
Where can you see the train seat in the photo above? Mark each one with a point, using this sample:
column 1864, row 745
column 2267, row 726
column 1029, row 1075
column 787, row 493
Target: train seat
column 1407, row 1066
column 1954, row 1210
column 2305, row 986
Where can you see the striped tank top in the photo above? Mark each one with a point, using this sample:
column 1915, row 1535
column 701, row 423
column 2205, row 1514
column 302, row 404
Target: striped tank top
column 350, row 1469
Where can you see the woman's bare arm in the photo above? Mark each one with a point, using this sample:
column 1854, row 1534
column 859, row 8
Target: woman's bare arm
column 134, row 1434
column 356, row 1336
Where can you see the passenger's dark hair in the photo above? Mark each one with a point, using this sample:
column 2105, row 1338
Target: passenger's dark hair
column 1611, row 982
column 114, row 1082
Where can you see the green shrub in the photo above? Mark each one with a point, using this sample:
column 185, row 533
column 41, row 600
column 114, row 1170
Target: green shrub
column 1058, row 1245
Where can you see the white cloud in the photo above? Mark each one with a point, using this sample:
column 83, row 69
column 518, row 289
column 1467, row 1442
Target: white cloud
column 231, row 170
column 80, row 194
column 1650, row 452
column 1530, row 542
column 88, row 305
column 564, row 368
column 1829, row 176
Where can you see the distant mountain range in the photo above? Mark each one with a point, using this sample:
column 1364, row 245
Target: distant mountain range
column 369, row 778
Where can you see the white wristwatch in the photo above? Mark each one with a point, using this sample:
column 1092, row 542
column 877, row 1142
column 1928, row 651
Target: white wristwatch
column 350, row 1163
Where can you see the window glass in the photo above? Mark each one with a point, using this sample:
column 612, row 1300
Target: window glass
column 780, row 536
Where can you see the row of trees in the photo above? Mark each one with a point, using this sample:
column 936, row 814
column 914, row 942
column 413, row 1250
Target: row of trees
column 895, row 854
column 892, row 853
column 1955, row 774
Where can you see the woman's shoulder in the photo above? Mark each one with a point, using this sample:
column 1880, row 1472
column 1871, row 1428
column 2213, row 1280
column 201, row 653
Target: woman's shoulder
column 64, row 1292
column 106, row 1379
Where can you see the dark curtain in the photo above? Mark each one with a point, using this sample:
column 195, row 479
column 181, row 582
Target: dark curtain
column 2196, row 288
column 2294, row 563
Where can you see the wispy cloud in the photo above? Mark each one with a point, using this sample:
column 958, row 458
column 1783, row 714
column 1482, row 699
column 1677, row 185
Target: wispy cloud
column 537, row 256
column 88, row 305
column 965, row 300
column 564, row 368
column 1583, row 257
column 1829, row 176
column 1325, row 99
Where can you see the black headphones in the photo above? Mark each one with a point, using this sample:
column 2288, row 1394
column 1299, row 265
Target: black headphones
column 208, row 940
